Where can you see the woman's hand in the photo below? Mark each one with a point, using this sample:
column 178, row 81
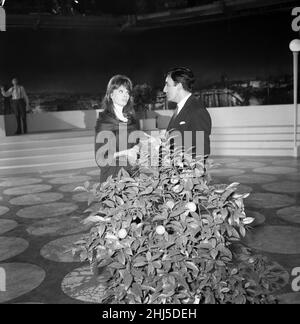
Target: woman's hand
column 150, row 144
column 130, row 154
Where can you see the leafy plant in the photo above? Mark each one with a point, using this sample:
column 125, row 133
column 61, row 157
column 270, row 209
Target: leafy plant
column 166, row 235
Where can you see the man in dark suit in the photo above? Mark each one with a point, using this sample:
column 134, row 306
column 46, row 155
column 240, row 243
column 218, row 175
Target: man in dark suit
column 191, row 119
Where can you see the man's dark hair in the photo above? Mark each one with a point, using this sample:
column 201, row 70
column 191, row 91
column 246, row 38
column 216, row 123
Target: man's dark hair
column 183, row 75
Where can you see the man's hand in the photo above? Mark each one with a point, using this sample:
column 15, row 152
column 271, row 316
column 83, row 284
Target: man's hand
column 130, row 154
column 29, row 110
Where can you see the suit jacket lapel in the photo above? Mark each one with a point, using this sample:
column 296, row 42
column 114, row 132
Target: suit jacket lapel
column 186, row 105
column 181, row 113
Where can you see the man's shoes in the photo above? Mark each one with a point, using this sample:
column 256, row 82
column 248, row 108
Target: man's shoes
column 18, row 133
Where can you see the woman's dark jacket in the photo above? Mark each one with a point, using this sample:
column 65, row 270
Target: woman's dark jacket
column 112, row 135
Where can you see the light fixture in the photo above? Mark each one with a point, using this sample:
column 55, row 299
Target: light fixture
column 295, row 45
column 295, row 48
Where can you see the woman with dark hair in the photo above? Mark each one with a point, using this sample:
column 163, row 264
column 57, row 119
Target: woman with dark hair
column 114, row 127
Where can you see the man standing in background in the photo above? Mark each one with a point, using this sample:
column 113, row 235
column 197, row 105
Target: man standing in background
column 20, row 104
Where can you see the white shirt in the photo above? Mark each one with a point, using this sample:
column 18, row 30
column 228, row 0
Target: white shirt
column 17, row 92
column 182, row 103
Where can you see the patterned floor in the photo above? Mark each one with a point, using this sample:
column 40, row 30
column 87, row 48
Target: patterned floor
column 40, row 219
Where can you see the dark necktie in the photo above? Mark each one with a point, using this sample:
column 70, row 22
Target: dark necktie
column 170, row 126
column 175, row 114
column 176, row 111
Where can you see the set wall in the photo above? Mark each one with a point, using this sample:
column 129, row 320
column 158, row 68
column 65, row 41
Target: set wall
column 260, row 130
column 54, row 121
column 256, row 130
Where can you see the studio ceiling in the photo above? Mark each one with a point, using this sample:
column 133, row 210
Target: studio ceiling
column 133, row 14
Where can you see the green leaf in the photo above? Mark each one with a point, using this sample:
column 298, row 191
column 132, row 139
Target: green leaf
column 109, row 203
column 119, row 200
column 157, row 264
column 148, row 256
column 80, row 188
column 213, row 242
column 177, row 258
column 167, row 293
column 128, row 279
column 166, row 236
column 95, row 208
column 204, row 246
column 235, row 233
column 93, row 219
column 116, row 265
column 101, row 229
column 148, row 288
column 225, row 290
column 124, row 173
column 121, row 258
column 167, row 266
column 189, row 185
column 224, row 251
column 155, row 184
column 159, row 217
column 192, row 266
column 150, row 269
column 214, row 253
column 248, row 220
column 195, row 215
column 147, row 191
column 110, row 236
column 139, row 264
column 234, row 185
column 157, row 256
column 178, row 211
column 243, row 231
column 128, row 251
column 136, row 289
column 154, row 297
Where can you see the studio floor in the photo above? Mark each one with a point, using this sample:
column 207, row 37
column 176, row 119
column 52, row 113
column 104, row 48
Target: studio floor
column 40, row 219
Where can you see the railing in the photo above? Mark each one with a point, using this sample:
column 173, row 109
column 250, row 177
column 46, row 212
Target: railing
column 221, row 98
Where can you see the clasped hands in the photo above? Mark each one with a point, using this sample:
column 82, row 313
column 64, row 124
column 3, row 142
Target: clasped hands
column 130, row 154
column 147, row 143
